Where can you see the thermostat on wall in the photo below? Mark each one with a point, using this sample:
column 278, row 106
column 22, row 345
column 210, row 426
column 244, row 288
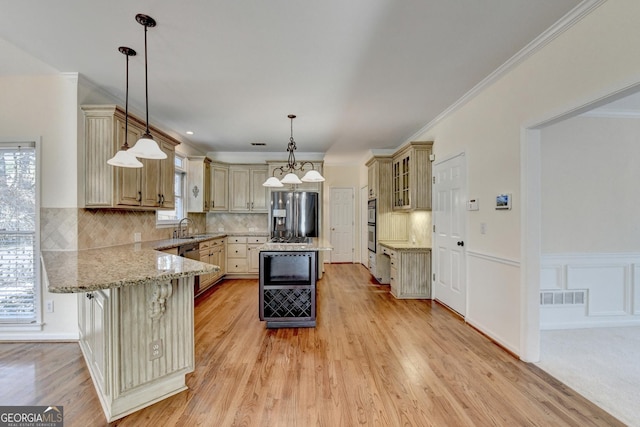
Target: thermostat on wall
column 472, row 205
column 503, row 201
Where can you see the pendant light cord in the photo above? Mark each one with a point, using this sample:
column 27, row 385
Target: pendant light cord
column 146, row 84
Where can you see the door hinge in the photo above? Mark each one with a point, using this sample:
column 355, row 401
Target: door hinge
column 433, row 179
column 434, row 277
column 434, row 228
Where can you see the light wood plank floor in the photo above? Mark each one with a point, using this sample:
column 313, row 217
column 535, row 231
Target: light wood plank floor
column 372, row 360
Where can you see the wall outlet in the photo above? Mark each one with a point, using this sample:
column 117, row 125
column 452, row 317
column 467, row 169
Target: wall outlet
column 220, row 229
column 252, row 229
column 137, row 237
column 49, row 304
column 483, row 228
column 155, row 350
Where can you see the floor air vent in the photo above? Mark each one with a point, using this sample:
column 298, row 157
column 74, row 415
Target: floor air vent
column 563, row 297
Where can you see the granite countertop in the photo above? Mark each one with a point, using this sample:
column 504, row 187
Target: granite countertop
column 317, row 244
column 161, row 245
column 116, row 266
column 403, row 245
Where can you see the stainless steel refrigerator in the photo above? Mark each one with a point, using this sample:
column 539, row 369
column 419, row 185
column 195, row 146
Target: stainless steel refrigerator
column 293, row 214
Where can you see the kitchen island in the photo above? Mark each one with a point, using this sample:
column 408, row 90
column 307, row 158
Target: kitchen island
column 135, row 319
column 287, row 288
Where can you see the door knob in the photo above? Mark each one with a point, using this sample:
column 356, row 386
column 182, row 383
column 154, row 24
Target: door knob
column 460, row 243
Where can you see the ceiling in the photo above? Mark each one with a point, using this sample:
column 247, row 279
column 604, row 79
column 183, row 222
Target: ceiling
column 359, row 74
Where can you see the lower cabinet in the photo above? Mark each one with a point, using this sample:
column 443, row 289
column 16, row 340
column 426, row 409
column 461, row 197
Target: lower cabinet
column 409, row 272
column 212, row 252
column 138, row 343
column 92, row 324
column 243, row 255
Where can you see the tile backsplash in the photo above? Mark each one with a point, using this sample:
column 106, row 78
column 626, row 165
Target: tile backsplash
column 237, row 222
column 73, row 229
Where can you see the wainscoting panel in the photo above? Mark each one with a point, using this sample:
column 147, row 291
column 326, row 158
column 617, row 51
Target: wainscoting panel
column 609, row 282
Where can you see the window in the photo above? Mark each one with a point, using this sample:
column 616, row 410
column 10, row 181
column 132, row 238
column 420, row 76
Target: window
column 173, row 216
column 19, row 281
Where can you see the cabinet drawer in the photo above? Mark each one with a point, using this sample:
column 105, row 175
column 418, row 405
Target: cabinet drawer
column 205, row 244
column 257, row 239
column 238, row 265
column 217, row 242
column 237, row 239
column 235, row 250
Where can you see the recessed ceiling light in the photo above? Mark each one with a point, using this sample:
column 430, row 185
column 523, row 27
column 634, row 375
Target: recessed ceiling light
column 189, row 132
column 259, row 144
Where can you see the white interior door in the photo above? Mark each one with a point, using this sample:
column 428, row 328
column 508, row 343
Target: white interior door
column 342, row 224
column 449, row 189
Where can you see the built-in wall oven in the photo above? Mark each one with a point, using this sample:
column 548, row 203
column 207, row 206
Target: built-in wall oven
column 371, row 225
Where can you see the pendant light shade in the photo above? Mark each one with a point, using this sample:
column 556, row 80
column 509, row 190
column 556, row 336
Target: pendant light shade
column 291, row 178
column 312, row 176
column 124, row 158
column 146, row 147
column 273, row 182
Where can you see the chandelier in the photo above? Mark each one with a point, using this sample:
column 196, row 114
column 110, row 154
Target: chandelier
column 292, row 166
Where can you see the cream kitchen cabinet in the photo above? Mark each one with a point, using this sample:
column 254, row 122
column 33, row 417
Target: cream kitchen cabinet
column 219, row 187
column 212, row 252
column 411, row 177
column 199, row 184
column 150, row 187
column 409, row 271
column 243, row 254
column 93, row 321
column 245, row 187
column 305, row 186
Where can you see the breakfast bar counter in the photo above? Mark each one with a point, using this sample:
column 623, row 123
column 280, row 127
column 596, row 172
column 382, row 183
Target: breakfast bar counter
column 135, row 319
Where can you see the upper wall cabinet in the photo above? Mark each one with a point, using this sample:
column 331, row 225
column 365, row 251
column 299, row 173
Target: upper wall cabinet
column 219, row 187
column 245, row 187
column 150, row 187
column 305, row 186
column 199, row 184
column 411, row 177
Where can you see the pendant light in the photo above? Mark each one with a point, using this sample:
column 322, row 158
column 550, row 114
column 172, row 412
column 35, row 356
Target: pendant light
column 146, row 147
column 124, row 158
column 292, row 166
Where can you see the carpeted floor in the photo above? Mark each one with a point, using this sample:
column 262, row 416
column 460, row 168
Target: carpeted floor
column 602, row 364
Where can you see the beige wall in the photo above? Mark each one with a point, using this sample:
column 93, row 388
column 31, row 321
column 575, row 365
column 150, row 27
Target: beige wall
column 344, row 176
column 44, row 108
column 598, row 55
column 590, row 179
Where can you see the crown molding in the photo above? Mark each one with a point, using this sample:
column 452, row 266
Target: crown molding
column 612, row 114
column 563, row 24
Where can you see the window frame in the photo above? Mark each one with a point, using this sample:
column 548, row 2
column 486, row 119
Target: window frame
column 36, row 323
column 180, row 164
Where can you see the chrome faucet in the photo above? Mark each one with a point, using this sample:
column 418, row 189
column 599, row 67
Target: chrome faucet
column 184, row 234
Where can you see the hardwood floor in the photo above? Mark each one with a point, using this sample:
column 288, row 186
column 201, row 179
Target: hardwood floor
column 371, row 360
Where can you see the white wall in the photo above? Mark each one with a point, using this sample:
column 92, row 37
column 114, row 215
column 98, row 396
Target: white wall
column 590, row 192
column 596, row 56
column 590, row 232
column 46, row 107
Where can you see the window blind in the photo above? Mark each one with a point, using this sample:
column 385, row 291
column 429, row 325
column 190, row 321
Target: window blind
column 18, row 287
